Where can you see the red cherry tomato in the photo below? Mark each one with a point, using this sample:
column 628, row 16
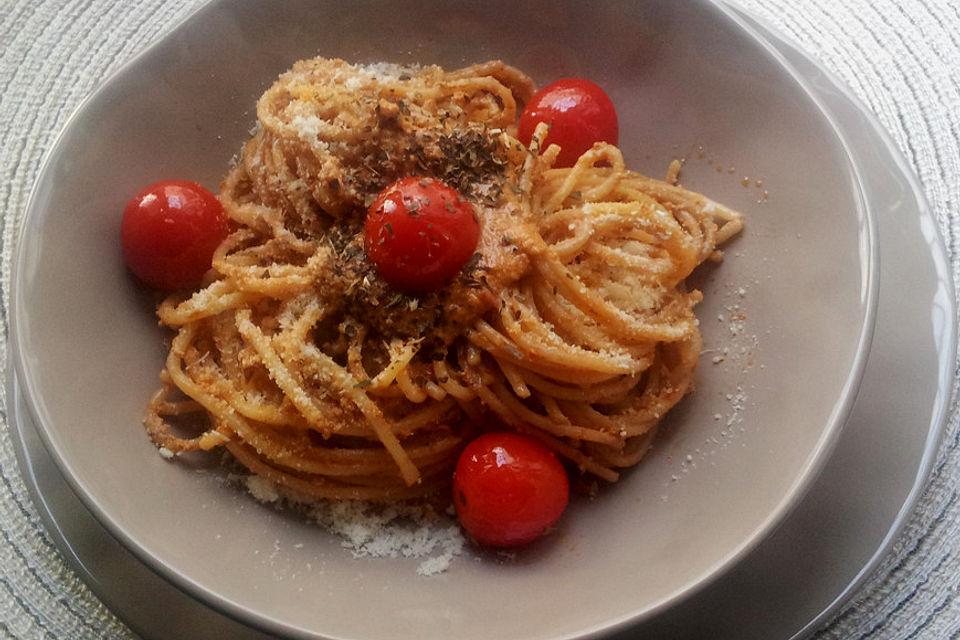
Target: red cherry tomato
column 169, row 233
column 579, row 113
column 507, row 489
column 419, row 233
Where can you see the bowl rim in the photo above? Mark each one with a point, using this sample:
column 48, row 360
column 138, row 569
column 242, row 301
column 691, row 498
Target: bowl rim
column 936, row 429
column 870, row 273
column 870, row 266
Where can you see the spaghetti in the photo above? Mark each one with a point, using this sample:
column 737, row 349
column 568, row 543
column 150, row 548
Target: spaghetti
column 571, row 323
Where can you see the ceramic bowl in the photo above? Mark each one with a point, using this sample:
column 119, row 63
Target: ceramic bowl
column 787, row 317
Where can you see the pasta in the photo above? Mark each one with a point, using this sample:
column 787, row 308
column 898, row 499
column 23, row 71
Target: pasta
column 571, row 323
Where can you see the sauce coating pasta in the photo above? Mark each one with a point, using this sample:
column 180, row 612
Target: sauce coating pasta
column 571, row 323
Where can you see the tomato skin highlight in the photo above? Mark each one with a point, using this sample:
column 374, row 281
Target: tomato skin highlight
column 419, row 233
column 169, row 232
column 508, row 489
column 579, row 113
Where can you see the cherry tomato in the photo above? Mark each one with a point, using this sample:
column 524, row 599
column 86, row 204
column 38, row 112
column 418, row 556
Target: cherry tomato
column 169, row 233
column 579, row 113
column 507, row 489
column 419, row 233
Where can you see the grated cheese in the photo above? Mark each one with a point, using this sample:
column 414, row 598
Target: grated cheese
column 391, row 531
column 261, row 489
column 373, row 530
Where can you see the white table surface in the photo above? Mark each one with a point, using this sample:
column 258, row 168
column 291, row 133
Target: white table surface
column 900, row 58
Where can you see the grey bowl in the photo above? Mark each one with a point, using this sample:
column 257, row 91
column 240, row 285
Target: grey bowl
column 689, row 80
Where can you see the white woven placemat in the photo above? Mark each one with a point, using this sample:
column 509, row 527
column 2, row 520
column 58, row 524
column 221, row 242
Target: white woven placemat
column 900, row 57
